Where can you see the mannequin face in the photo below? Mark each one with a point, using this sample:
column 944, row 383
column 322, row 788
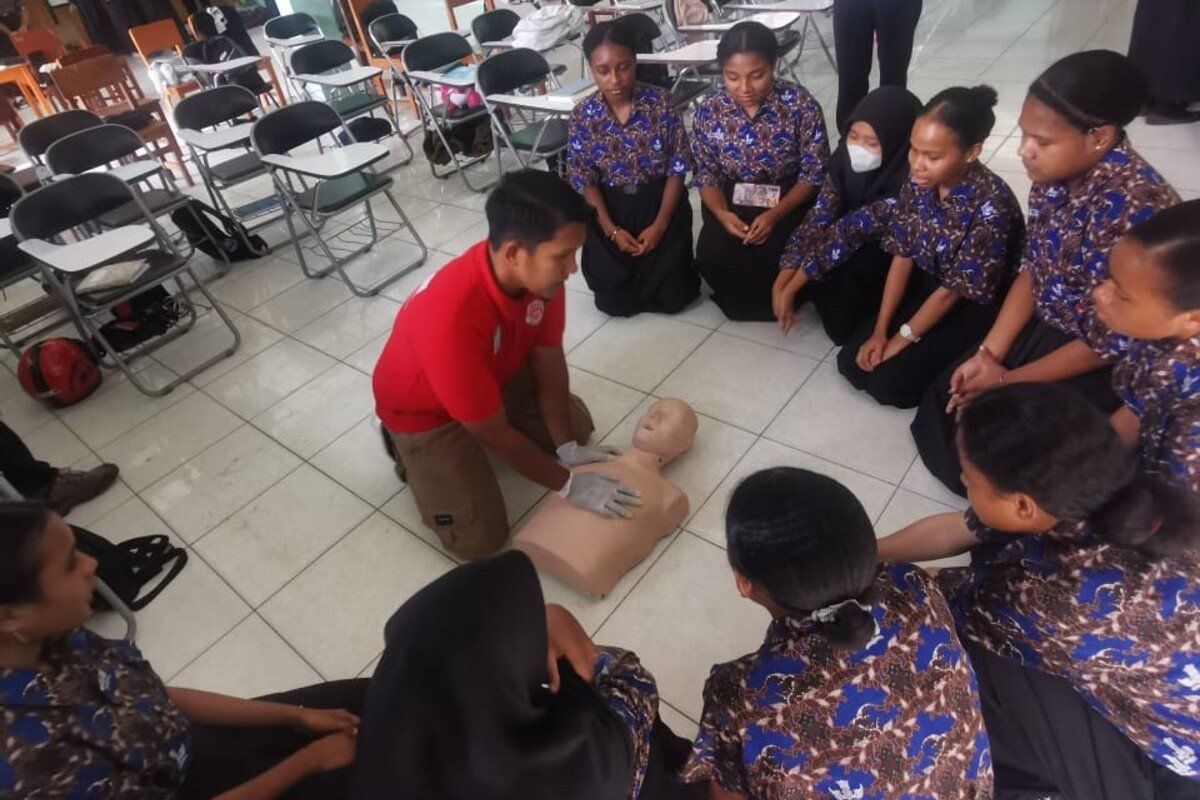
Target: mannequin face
column 668, row 428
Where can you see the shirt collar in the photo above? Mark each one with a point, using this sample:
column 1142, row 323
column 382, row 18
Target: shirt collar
column 27, row 687
column 641, row 102
column 509, row 307
column 961, row 194
column 770, row 103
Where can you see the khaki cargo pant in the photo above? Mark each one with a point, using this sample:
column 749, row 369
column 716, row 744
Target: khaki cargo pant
column 452, row 481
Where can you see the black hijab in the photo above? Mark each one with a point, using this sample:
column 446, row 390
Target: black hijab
column 457, row 710
column 891, row 111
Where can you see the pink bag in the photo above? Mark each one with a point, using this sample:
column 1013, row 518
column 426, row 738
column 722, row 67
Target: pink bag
column 454, row 98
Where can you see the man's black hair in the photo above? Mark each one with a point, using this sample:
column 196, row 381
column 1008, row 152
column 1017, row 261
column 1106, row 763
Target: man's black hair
column 529, row 206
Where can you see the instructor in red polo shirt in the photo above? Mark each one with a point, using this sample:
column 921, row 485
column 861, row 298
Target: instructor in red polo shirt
column 475, row 364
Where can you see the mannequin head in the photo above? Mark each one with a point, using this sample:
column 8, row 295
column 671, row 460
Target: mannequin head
column 668, row 428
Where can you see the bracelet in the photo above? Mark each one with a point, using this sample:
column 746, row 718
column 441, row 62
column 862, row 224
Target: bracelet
column 613, row 236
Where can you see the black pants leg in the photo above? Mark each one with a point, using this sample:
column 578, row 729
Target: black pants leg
column 225, row 757
column 27, row 475
column 896, row 22
column 851, row 293
column 1045, row 737
column 854, row 40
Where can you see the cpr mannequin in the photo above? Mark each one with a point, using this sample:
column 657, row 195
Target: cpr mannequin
column 590, row 553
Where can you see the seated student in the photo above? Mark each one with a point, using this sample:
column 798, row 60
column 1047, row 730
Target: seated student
column 760, row 150
column 82, row 716
column 485, row 693
column 1146, row 318
column 960, row 226
column 1082, row 603
column 1089, row 187
column 475, row 365
column 628, row 155
column 860, row 689
column 837, row 245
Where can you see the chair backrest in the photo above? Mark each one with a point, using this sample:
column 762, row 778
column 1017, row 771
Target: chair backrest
column 37, row 135
column 84, row 54
column 213, row 50
column 645, row 30
column 437, row 50
column 392, row 28
column 492, row 26
column 38, row 40
column 377, row 9
column 511, row 69
column 287, row 128
column 323, row 56
column 155, row 37
column 65, row 204
column 214, row 106
column 289, row 25
column 97, row 82
column 91, row 148
column 10, row 193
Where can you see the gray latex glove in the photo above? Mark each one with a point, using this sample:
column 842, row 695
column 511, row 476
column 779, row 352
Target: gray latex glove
column 574, row 454
column 600, row 494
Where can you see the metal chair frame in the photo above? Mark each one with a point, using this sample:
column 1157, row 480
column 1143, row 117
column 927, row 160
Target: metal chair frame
column 502, row 117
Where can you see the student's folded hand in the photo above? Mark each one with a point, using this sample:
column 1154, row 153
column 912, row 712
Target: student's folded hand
column 760, row 228
column 625, row 242
column 329, row 753
column 327, row 720
column 651, row 237
column 870, row 355
column 733, row 224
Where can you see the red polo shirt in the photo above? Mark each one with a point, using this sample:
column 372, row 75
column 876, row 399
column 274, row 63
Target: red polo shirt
column 455, row 344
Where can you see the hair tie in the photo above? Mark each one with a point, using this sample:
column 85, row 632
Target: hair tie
column 828, row 614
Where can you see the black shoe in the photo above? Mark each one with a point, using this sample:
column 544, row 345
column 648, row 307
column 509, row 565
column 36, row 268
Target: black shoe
column 73, row 487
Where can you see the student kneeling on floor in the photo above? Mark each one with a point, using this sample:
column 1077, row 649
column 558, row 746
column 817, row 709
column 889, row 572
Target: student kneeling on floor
column 475, row 365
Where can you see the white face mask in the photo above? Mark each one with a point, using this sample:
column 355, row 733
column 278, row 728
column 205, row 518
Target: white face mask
column 862, row 159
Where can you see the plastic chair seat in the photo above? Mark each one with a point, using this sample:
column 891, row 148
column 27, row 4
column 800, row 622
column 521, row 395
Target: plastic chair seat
column 236, row 168
column 162, row 264
column 157, row 200
column 687, row 91
column 357, row 103
column 339, row 193
column 553, row 138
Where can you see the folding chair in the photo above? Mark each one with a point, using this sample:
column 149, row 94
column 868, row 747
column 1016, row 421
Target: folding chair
column 429, row 63
column 16, row 267
column 10, row 494
column 329, row 70
column 286, row 33
column 220, row 61
column 528, row 136
column 37, row 136
column 390, row 34
column 493, row 26
column 75, row 205
column 217, row 122
column 315, row 187
column 684, row 90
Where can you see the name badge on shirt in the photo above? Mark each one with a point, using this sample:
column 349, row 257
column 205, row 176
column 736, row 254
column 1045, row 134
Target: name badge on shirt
column 757, row 195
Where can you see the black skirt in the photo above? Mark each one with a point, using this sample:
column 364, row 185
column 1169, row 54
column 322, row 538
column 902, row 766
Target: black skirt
column 934, row 430
column 851, row 293
column 902, row 380
column 663, row 280
column 1165, row 46
column 741, row 276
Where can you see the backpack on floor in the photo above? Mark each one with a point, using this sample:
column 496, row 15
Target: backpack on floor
column 229, row 234
column 140, row 318
column 130, row 566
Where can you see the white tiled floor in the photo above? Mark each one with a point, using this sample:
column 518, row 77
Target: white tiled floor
column 268, row 466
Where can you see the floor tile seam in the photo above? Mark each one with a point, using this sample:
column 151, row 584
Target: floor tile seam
column 674, row 536
column 836, row 463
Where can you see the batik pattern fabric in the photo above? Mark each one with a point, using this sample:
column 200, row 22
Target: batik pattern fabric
column 827, row 237
column 896, row 718
column 1121, row 628
column 1159, row 380
column 785, row 140
column 1071, row 232
column 631, row 692
column 970, row 240
column 95, row 721
column 650, row 146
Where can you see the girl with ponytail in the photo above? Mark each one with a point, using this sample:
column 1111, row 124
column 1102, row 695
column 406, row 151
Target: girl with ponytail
column 1081, row 608
column 860, row 689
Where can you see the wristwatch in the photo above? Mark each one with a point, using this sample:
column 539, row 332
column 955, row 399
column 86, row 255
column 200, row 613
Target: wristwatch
column 907, row 333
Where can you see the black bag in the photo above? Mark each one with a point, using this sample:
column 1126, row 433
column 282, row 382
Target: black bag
column 230, row 234
column 140, row 318
column 128, row 567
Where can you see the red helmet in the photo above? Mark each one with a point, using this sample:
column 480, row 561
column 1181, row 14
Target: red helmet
column 59, row 372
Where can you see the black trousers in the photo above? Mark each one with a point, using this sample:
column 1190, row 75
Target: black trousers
column 1046, row 738
column 225, row 757
column 934, row 430
column 901, row 381
column 856, row 24
column 27, row 475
